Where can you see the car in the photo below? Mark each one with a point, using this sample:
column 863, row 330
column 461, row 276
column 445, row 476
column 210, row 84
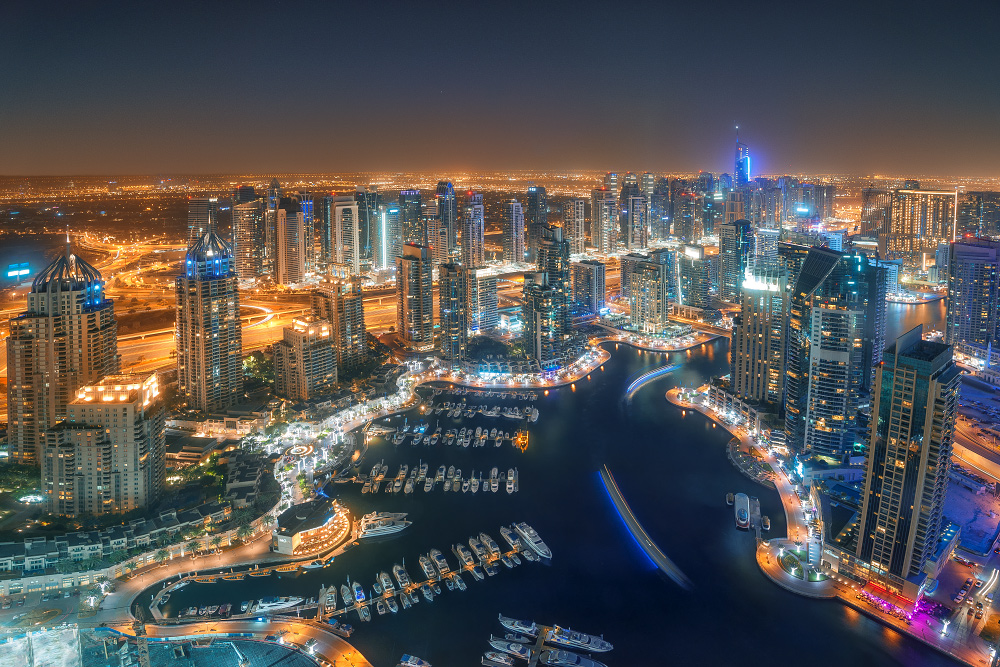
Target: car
column 66, row 594
column 979, row 605
column 958, row 599
column 20, row 602
column 968, row 582
column 979, row 614
column 971, row 600
column 970, row 612
column 6, row 604
column 979, row 583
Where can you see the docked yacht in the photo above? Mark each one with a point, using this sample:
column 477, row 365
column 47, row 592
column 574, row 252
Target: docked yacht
column 493, row 657
column 439, row 475
column 477, row 548
column 345, row 593
column 559, row 658
column 524, row 627
column 273, row 603
column 359, row 592
column 376, row 524
column 511, row 537
column 513, row 648
column 571, row 639
column 386, row 580
column 427, row 567
column 440, row 561
column 532, row 539
column 401, row 576
column 464, row 555
column 491, row 546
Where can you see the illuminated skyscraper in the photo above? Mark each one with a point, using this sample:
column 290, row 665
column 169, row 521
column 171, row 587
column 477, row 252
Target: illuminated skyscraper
column 604, row 220
column 611, row 182
column 536, row 216
column 388, row 237
column 203, row 213
column 832, row 347
column 908, row 460
column 305, row 365
column 919, row 221
column 651, row 290
column 415, row 297
column 741, row 172
column 109, row 455
column 447, row 213
column 473, row 229
column 688, row 216
column 368, row 216
column 481, row 299
column 67, row 337
column 694, row 272
column 636, row 224
column 292, row 242
column 545, row 325
column 735, row 247
column 973, row 319
column 453, row 312
column 589, row 289
column 574, row 217
column 659, row 211
column 758, row 356
column 513, row 232
column 410, row 217
column 979, row 214
column 342, row 305
column 209, row 336
column 249, row 238
column 348, row 249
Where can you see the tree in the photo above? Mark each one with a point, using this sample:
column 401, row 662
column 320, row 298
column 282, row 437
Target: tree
column 244, row 532
column 193, row 546
column 216, row 541
column 118, row 555
column 162, row 555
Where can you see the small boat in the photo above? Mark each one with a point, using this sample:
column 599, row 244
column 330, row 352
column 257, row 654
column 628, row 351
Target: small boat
column 459, row 582
column 440, row 561
column 765, row 523
column 742, row 511
column 316, row 564
column 404, row 599
column 507, row 562
column 466, row 485
column 429, row 484
column 202, row 610
column 244, row 606
column 729, row 499
column 381, row 608
column 412, row 661
column 377, row 587
column 259, row 573
column 364, row 613
column 386, row 580
column 530, row 555
column 475, row 483
column 163, row 600
column 510, row 481
column 451, row 472
column 529, row 628
column 510, row 536
column 359, row 592
column 345, row 593
column 401, row 576
column 491, row 546
column 477, row 573
column 212, row 609
column 493, row 657
column 427, row 592
column 490, row 569
column 449, row 584
column 560, row 658
column 439, row 476
column 518, row 637
column 224, row 609
column 391, row 603
column 413, row 597
column 477, row 548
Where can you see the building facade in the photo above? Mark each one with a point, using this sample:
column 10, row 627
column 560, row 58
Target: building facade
column 588, row 285
column 453, row 312
column 305, row 365
column 758, row 350
column 415, row 297
column 574, row 217
column 513, row 231
column 341, row 303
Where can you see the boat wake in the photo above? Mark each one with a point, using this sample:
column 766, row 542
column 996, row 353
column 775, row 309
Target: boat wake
column 641, row 537
column 645, row 378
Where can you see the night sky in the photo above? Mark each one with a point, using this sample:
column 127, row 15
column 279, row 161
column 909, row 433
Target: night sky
column 817, row 87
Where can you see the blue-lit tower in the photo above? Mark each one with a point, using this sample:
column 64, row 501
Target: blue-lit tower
column 741, row 174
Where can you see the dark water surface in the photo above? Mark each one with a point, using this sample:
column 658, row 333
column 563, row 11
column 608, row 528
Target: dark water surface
column 674, row 473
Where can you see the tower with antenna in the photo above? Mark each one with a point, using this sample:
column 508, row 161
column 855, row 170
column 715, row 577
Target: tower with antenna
column 741, row 172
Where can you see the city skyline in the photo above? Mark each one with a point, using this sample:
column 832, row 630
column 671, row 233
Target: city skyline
column 180, row 93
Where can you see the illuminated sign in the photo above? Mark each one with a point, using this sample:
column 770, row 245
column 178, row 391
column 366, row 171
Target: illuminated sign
column 17, row 270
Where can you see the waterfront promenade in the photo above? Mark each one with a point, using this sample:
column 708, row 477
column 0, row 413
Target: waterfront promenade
column 959, row 643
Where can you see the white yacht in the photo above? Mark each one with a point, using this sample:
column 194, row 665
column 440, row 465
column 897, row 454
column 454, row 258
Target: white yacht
column 376, row 524
column 274, row 603
column 532, row 539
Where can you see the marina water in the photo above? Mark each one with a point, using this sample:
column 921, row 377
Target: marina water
column 673, row 471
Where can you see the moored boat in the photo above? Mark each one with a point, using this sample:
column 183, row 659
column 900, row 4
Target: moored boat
column 741, row 509
column 533, row 540
column 581, row 640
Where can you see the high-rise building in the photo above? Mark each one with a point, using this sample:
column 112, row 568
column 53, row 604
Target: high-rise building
column 627, row 264
column 453, row 313
column 636, row 223
column 513, row 232
column 481, row 299
column 437, row 234
column 410, row 217
column 109, row 455
column 473, row 229
column 735, row 247
column 688, row 216
column 647, row 182
column 447, row 210
column 292, row 242
column 589, row 292
column 348, row 248
column 546, row 334
column 553, row 257
column 307, row 206
column 368, row 218
column 66, row 337
column 574, row 216
column 305, row 365
column 536, row 217
column 209, row 337
column 741, row 170
column 973, row 305
column 604, row 220
column 694, row 270
column 918, row 221
column 765, row 207
column 388, row 238
column 978, row 214
column 415, row 297
column 649, row 302
column 659, row 210
column 203, row 214
column 908, row 459
column 832, row 348
column 243, row 194
column 249, row 239
column 341, row 303
column 758, row 355
column 765, row 248
column 611, row 182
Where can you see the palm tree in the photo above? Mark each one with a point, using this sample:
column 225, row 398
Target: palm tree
column 162, row 555
column 266, row 520
column 244, row 532
column 216, row 541
column 193, row 546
